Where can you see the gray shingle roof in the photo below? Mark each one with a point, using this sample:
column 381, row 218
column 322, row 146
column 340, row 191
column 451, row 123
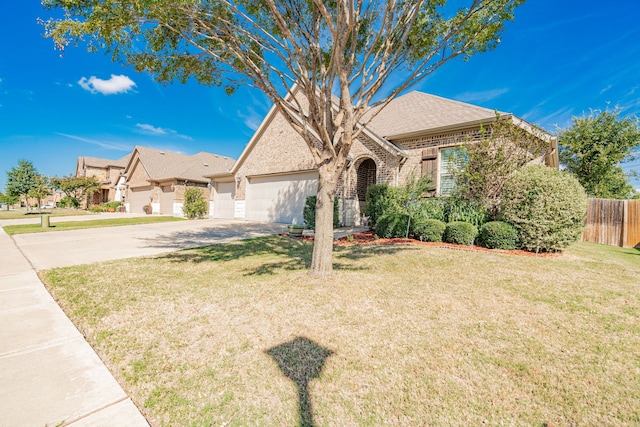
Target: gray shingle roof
column 164, row 165
column 418, row 111
column 105, row 163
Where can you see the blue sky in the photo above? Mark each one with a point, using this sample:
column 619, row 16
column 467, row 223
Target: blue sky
column 557, row 60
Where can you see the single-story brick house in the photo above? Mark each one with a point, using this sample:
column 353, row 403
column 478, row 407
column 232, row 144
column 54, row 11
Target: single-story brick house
column 275, row 173
column 107, row 171
column 159, row 178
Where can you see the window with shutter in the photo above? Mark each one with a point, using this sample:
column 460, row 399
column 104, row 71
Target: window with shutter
column 452, row 159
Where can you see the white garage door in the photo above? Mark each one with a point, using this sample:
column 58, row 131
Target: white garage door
column 279, row 198
column 223, row 200
column 166, row 200
column 139, row 198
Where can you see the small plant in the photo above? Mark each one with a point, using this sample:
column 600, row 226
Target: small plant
column 431, row 208
column 459, row 209
column 392, row 225
column 429, row 230
column 498, row 235
column 309, row 213
column 460, row 233
column 350, row 238
column 378, row 199
column 147, row 209
column 195, row 205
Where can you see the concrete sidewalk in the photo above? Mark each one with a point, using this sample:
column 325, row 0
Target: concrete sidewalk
column 49, row 375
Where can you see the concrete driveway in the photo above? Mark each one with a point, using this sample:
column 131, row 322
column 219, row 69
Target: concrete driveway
column 66, row 248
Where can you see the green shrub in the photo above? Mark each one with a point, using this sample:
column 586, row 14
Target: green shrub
column 195, row 205
column 458, row 209
column 378, row 199
column 431, row 208
column 97, row 208
column 460, row 233
column 112, row 205
column 392, row 225
column 428, row 230
column 546, row 206
column 309, row 213
column 498, row 235
column 68, row 202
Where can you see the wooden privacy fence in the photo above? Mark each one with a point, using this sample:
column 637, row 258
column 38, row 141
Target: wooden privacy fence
column 613, row 222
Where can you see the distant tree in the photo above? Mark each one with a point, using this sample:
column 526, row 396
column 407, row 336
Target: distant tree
column 21, row 180
column 346, row 59
column 593, row 148
column 40, row 189
column 9, row 200
column 504, row 146
column 76, row 187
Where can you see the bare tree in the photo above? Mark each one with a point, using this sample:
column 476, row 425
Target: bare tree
column 323, row 64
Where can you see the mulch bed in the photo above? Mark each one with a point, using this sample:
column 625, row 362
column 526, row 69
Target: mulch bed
column 368, row 238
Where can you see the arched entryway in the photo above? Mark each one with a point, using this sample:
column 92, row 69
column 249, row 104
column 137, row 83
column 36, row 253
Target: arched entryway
column 366, row 177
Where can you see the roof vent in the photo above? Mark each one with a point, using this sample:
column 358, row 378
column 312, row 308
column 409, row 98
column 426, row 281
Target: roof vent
column 206, row 164
column 162, row 152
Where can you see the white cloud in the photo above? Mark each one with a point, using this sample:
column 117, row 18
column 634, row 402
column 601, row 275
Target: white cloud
column 148, row 129
column 605, row 89
column 116, row 84
column 482, row 96
column 103, row 144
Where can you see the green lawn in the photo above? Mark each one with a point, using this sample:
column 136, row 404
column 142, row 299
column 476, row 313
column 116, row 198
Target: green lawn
column 239, row 335
column 23, row 214
column 77, row 225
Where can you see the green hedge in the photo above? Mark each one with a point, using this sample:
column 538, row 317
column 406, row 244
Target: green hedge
column 498, row 235
column 460, row 233
column 428, row 230
column 392, row 225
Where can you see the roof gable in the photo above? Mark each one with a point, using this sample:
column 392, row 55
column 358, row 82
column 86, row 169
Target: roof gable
column 166, row 165
column 418, row 111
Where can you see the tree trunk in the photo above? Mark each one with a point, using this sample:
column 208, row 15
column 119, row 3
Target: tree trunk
column 321, row 260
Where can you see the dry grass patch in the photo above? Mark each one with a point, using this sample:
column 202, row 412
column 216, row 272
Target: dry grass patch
column 239, row 335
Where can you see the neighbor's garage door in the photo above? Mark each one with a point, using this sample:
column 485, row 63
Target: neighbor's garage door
column 279, row 198
column 166, row 200
column 223, row 200
column 139, row 198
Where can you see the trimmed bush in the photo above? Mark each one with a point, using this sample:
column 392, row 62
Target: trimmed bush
column 546, row 206
column 309, row 213
column 392, row 225
column 460, row 233
column 112, row 205
column 195, row 205
column 428, row 230
column 498, row 235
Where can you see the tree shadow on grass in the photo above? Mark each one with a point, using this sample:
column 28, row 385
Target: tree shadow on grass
column 301, row 360
column 294, row 254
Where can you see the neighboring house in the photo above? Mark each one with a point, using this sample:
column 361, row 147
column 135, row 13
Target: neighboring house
column 159, row 178
column 107, row 171
column 412, row 135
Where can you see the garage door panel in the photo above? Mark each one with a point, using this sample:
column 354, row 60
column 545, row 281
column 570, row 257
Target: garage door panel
column 139, row 198
column 280, row 198
column 224, row 200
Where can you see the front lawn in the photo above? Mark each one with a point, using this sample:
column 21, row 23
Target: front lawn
column 77, row 225
column 22, row 213
column 239, row 335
